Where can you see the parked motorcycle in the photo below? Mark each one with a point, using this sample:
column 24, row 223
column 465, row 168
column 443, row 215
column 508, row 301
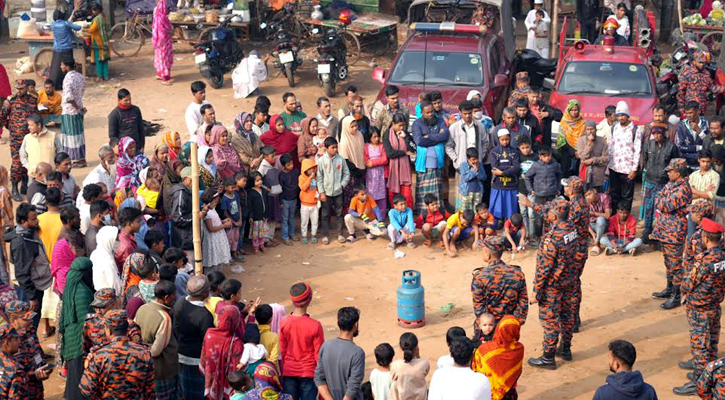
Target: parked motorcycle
column 539, row 68
column 668, row 83
column 286, row 51
column 218, row 55
column 332, row 63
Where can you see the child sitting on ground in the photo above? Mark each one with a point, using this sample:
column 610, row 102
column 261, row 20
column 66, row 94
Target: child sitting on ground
column 402, row 226
column 453, row 332
column 364, row 214
column 241, row 383
column 231, row 210
column 621, row 236
column 380, row 375
column 254, row 352
column 149, row 277
column 473, row 176
column 458, row 229
column 483, row 225
column 309, row 213
column 215, row 245
column 486, row 324
column 263, row 314
column 289, row 178
column 432, row 222
column 515, row 232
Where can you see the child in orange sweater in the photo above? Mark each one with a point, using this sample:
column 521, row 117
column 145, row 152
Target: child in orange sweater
column 309, row 213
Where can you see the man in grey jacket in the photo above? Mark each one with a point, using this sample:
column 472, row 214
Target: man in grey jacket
column 27, row 254
column 341, row 366
column 543, row 181
column 181, row 217
column 465, row 133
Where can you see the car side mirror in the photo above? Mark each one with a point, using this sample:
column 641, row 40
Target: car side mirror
column 379, row 75
column 500, row 80
column 548, row 84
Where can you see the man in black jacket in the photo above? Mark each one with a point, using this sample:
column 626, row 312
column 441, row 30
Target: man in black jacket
column 545, row 113
column 181, row 234
column 525, row 118
column 587, row 13
column 655, row 157
column 125, row 120
column 27, row 254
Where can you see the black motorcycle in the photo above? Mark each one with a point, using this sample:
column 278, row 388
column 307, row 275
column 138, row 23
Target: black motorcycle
column 332, row 63
column 285, row 51
column 539, row 68
column 220, row 53
column 668, row 83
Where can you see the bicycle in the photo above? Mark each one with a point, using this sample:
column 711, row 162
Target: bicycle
column 128, row 37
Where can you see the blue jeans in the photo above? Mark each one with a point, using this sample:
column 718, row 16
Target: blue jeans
column 300, row 388
column 600, row 228
column 528, row 214
column 618, row 242
column 289, row 207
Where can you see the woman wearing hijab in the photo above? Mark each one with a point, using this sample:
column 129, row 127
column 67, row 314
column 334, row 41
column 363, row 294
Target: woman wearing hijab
column 267, row 385
column 570, row 129
column 352, row 149
column 171, row 178
column 283, row 141
column 105, row 269
column 207, row 168
column 130, row 164
column 226, row 159
column 246, row 143
column 100, row 31
column 173, row 141
column 130, row 276
column 185, row 154
column 163, row 44
column 77, row 298
column 220, row 353
column 160, row 160
column 306, row 148
column 501, row 358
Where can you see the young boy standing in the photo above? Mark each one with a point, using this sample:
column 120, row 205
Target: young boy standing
column 402, row 226
column 432, row 222
column 309, row 212
column 458, row 229
column 241, row 179
column 528, row 158
column 364, row 214
column 231, row 210
column 505, row 169
column 332, row 176
column 289, row 179
column 470, row 189
column 270, row 180
column 543, row 180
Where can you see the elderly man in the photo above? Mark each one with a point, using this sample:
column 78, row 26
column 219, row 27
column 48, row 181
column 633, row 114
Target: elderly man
column 105, row 171
column 610, row 30
column 696, row 83
column 593, row 152
column 191, row 321
column 625, row 146
column 14, row 115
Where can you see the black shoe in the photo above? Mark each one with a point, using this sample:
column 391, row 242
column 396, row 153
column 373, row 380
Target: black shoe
column 688, row 389
column 674, row 300
column 15, row 192
column 24, row 186
column 564, row 351
column 689, row 364
column 546, row 362
column 690, row 376
column 666, row 293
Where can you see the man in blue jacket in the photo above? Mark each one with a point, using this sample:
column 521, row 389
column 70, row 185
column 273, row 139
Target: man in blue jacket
column 624, row 384
column 690, row 133
column 430, row 134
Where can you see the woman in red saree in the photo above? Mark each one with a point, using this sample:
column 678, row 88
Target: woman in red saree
column 283, row 141
column 221, row 351
column 500, row 359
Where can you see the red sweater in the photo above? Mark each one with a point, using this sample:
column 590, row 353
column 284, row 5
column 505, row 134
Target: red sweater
column 300, row 339
column 617, row 231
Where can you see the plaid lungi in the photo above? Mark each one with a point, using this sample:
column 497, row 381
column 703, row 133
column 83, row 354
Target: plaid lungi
column 72, row 137
column 469, row 201
column 191, row 381
column 167, row 389
column 426, row 182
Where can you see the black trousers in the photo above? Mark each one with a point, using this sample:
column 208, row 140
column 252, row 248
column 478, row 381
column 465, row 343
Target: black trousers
column 331, row 209
column 589, row 30
column 73, row 380
column 620, row 188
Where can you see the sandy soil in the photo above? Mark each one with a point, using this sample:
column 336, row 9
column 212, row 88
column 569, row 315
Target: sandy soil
column 616, row 289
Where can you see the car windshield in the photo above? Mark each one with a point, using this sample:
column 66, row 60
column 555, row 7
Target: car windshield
column 605, row 79
column 438, row 68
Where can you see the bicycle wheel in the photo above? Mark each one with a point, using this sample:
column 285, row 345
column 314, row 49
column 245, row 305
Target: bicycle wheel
column 126, row 39
column 353, row 47
column 42, row 61
column 712, row 41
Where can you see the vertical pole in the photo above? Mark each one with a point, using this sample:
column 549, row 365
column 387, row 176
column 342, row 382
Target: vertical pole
column 109, row 9
column 554, row 28
column 679, row 17
column 196, row 223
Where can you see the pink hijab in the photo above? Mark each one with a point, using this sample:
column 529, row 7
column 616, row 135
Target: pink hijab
column 226, row 158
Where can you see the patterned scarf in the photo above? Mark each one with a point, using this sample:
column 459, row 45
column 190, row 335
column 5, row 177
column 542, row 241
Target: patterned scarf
column 500, row 359
column 220, row 353
column 267, row 384
column 127, row 173
column 572, row 127
column 169, row 139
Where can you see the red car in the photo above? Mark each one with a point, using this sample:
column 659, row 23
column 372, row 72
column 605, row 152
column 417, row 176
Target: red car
column 453, row 59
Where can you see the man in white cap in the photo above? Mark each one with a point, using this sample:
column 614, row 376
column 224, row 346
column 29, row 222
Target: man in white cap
column 624, row 152
column 530, row 23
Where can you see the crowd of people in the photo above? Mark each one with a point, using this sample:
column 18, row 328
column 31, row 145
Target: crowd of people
column 109, row 260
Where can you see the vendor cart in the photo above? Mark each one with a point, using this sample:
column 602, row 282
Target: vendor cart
column 193, row 32
column 40, row 51
column 375, row 31
column 709, row 36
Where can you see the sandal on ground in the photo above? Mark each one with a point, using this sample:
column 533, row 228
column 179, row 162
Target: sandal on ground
column 595, row 251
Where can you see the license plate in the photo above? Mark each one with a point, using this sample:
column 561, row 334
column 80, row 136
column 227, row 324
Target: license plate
column 323, row 69
column 286, row 57
column 200, row 58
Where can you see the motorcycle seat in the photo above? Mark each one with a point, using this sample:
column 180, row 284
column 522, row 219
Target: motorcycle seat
column 546, row 63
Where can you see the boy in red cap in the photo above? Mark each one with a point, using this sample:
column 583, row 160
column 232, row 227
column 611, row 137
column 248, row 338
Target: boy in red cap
column 704, row 290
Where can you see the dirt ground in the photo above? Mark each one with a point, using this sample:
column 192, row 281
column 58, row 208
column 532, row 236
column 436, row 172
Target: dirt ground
column 616, row 289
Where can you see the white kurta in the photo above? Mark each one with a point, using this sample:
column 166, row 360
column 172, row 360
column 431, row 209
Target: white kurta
column 247, row 76
column 529, row 22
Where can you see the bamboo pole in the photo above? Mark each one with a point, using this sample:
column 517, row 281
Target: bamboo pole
column 679, row 17
column 554, row 31
column 195, row 221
